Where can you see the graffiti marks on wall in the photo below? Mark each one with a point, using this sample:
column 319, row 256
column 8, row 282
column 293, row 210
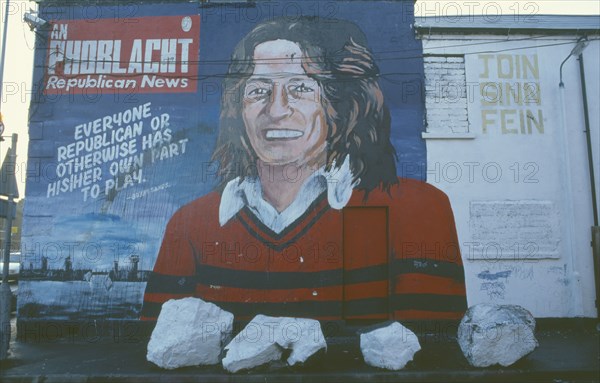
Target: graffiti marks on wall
column 510, row 94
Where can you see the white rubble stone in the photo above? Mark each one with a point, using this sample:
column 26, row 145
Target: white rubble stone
column 189, row 332
column 245, row 354
column 303, row 336
column 390, row 347
column 496, row 334
column 264, row 339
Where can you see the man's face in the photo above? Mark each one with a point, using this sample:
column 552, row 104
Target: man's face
column 282, row 110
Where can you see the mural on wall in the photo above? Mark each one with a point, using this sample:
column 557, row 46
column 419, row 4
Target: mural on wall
column 253, row 162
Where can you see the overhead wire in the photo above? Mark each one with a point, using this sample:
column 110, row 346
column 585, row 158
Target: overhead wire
column 314, row 60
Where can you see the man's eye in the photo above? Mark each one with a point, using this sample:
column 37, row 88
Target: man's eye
column 259, row 92
column 302, row 88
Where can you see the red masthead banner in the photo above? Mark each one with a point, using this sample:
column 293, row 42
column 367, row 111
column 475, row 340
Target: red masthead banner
column 143, row 55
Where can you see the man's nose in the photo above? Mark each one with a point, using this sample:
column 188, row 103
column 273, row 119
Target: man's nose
column 279, row 106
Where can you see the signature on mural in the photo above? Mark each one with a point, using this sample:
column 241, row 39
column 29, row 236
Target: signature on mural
column 305, row 159
column 145, row 192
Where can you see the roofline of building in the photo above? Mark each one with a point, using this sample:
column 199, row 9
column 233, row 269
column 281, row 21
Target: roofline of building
column 548, row 24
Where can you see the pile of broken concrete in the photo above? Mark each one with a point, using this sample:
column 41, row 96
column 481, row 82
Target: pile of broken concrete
column 192, row 332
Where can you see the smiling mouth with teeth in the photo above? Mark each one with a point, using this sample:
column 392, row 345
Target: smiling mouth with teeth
column 283, row 134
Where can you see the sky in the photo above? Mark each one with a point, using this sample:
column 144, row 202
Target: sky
column 18, row 64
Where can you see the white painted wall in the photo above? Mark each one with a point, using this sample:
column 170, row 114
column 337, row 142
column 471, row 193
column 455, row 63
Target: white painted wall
column 542, row 197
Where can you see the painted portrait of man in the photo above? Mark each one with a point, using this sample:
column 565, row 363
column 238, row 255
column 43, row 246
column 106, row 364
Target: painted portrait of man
column 310, row 218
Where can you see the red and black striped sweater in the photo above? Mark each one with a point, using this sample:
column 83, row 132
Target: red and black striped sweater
column 394, row 255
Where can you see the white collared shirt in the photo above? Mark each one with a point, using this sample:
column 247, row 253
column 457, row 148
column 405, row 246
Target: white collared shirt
column 248, row 192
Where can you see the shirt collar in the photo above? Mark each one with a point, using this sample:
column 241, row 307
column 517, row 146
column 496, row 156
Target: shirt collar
column 247, row 192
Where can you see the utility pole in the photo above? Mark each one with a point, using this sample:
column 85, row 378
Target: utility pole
column 8, row 188
column 5, row 294
column 3, row 51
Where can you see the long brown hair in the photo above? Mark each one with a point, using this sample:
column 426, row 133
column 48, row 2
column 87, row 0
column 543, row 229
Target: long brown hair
column 335, row 54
